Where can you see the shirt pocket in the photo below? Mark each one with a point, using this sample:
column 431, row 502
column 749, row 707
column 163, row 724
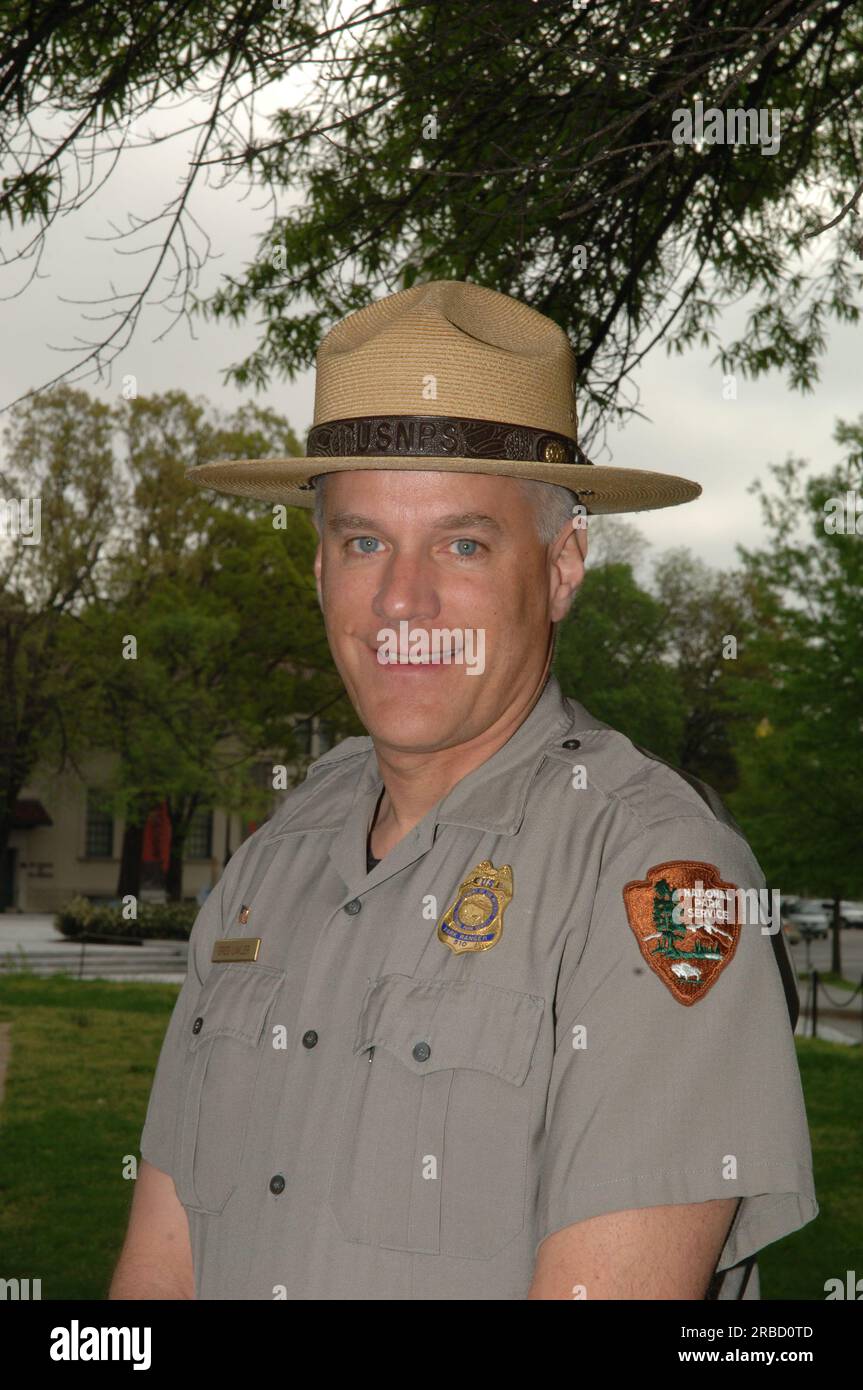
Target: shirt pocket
column 226, row 1041
column 431, row 1154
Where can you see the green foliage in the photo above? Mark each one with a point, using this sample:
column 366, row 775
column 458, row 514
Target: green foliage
column 523, row 146
column 801, row 796
column 230, row 647
column 650, row 662
column 155, row 921
column 560, row 139
column 610, row 656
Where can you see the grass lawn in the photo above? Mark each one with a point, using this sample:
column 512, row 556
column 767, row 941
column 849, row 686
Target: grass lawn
column 828, row 978
column 83, row 1056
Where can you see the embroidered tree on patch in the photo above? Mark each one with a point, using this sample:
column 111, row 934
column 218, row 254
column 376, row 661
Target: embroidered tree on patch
column 663, row 919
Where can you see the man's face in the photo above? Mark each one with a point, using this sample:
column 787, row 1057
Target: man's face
column 404, row 555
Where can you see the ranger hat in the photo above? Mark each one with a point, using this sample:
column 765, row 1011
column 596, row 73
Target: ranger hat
column 447, row 376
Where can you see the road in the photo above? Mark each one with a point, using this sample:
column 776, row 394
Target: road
column 31, row 942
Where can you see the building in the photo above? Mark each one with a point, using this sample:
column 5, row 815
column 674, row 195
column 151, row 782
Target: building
column 65, row 843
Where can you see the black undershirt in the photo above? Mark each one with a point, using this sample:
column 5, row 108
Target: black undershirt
column 370, row 858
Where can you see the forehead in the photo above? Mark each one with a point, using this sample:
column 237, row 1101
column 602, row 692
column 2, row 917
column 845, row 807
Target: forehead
column 423, row 496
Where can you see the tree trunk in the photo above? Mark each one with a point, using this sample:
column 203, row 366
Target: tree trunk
column 180, row 817
column 174, row 874
column 129, row 876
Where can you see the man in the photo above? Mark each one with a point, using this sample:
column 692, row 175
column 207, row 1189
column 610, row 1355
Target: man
column 487, row 1009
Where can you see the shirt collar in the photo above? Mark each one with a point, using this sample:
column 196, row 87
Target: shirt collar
column 493, row 796
column 490, row 797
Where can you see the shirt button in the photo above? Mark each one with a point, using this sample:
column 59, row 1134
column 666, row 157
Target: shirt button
column 197, row 1025
column 277, row 1184
column 310, row 1038
column 353, row 907
column 572, row 743
column 421, row 1052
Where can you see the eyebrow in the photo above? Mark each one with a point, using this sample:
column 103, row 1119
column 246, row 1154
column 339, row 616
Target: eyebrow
column 352, row 521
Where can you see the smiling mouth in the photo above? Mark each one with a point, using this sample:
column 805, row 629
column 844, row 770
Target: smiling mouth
column 450, row 657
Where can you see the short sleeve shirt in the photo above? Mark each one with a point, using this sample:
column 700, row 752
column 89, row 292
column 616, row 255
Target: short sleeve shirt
column 365, row 1112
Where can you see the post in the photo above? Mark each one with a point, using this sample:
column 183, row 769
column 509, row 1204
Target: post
column 815, row 1003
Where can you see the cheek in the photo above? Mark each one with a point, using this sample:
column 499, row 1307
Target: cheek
column 521, row 600
column 345, row 587
column 504, row 596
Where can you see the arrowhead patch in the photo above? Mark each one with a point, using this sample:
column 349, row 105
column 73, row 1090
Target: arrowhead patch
column 686, row 924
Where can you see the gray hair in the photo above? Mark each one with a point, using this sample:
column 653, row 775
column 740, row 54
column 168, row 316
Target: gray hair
column 552, row 506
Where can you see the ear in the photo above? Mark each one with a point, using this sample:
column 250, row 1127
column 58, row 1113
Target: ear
column 566, row 558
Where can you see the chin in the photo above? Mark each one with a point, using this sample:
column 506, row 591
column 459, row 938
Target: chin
column 410, row 722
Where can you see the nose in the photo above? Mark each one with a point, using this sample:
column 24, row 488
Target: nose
column 407, row 591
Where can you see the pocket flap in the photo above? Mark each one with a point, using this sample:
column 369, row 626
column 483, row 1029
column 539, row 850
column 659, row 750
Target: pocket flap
column 234, row 1000
column 463, row 1023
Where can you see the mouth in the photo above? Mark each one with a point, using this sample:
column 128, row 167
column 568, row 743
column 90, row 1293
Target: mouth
column 404, row 662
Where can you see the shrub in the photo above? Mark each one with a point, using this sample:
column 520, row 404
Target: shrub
column 173, row 921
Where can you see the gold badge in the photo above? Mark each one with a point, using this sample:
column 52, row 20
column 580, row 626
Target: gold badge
column 237, row 948
column 475, row 920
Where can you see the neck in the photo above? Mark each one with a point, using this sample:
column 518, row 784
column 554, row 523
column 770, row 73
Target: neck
column 415, row 782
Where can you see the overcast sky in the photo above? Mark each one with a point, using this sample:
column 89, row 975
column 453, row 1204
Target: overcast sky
column 691, row 431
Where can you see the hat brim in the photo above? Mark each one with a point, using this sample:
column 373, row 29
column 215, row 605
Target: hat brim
column 604, row 490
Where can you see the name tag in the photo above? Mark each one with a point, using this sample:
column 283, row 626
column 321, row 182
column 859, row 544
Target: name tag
column 237, row 948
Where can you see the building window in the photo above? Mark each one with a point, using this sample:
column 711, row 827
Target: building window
column 99, row 843
column 262, row 776
column 325, row 736
column 303, row 737
column 199, row 836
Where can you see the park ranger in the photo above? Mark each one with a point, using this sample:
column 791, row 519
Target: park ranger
column 494, row 1006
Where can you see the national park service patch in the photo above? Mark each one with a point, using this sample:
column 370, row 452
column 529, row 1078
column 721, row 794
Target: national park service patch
column 686, row 924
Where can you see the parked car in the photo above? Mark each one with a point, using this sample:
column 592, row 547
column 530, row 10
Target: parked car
column 790, row 932
column 809, row 916
column 852, row 914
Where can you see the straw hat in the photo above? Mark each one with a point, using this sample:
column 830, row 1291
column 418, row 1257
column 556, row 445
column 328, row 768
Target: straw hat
column 454, row 377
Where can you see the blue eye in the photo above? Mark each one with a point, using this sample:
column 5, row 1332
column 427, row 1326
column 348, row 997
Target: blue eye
column 465, row 541
column 373, row 539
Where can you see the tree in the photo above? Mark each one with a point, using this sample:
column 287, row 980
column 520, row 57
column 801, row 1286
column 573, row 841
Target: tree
column 663, row 919
column 801, row 799
column 231, row 642
column 214, row 604
column 708, row 626
column 530, row 147
column 655, row 662
column 611, row 656
column 58, row 488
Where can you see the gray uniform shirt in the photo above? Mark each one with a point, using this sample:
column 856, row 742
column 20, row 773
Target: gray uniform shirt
column 364, row 1113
